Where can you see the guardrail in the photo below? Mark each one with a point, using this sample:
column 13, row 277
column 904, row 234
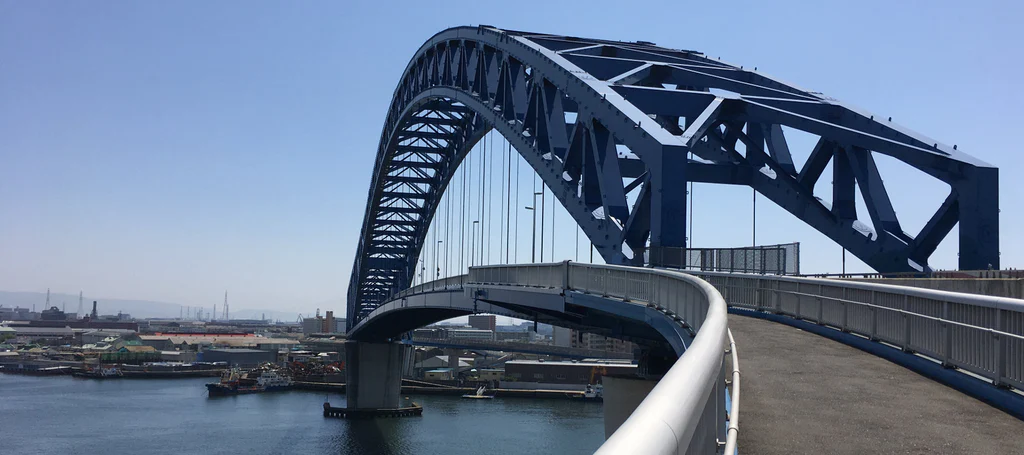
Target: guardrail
column 443, row 284
column 685, row 412
column 980, row 334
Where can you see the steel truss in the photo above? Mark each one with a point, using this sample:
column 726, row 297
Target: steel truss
column 602, row 120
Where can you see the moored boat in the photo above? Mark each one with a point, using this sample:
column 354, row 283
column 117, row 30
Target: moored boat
column 234, row 382
column 100, row 372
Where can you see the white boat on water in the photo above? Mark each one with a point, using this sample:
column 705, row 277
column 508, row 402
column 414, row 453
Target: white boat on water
column 479, row 394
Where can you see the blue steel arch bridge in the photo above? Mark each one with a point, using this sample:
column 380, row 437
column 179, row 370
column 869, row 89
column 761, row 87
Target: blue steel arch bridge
column 615, row 130
column 598, row 120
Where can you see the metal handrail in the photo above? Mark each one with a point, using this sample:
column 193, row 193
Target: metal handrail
column 734, row 410
column 981, row 334
column 685, row 411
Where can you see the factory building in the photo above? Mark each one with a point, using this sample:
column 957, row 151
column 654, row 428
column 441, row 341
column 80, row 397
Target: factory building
column 599, row 343
column 243, row 358
column 483, row 322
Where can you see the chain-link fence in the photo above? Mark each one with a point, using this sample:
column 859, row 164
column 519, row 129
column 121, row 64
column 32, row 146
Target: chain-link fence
column 783, row 259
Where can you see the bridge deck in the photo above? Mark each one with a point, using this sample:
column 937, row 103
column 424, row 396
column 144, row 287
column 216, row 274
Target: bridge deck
column 802, row 393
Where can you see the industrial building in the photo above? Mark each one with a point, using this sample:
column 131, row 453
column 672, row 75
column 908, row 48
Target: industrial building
column 599, row 343
column 578, row 373
column 244, row 358
column 483, row 322
column 326, row 324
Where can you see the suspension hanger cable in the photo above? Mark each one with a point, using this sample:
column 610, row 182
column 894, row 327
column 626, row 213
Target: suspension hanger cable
column 508, row 199
column 516, row 248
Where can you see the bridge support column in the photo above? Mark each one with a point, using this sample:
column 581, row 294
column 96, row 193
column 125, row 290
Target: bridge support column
column 374, row 374
column 621, row 397
column 668, row 209
column 453, row 363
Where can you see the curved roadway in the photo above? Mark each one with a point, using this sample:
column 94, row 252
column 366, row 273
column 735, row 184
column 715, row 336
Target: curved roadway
column 803, row 393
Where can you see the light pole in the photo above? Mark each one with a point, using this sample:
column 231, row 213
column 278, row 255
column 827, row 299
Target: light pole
column 533, row 239
column 472, row 245
column 437, row 268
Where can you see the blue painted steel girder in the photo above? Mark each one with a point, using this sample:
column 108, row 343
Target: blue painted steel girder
column 599, row 120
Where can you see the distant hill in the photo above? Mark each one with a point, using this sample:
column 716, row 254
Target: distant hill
column 137, row 308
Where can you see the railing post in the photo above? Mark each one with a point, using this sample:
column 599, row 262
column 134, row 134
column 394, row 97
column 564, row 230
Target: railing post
column 874, row 316
column 906, row 325
column 821, row 307
column 947, row 337
column 845, row 326
column 799, row 302
column 1000, row 350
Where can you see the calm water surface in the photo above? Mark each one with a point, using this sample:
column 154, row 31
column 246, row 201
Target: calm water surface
column 153, row 417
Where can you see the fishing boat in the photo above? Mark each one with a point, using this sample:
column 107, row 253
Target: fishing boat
column 234, row 382
column 479, row 395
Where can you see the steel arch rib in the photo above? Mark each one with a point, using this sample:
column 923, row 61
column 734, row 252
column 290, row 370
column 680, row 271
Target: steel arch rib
column 639, row 111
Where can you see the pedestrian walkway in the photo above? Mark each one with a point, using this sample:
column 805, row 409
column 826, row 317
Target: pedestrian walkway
column 802, row 393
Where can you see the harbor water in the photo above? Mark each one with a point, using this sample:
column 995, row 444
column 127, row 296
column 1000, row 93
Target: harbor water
column 47, row 415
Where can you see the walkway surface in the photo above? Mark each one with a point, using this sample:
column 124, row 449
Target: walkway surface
column 802, row 393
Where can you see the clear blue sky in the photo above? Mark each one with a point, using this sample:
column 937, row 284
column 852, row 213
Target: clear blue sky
column 165, row 151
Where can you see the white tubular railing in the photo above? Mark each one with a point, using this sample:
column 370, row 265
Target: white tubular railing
column 980, row 334
column 443, row 284
column 685, row 412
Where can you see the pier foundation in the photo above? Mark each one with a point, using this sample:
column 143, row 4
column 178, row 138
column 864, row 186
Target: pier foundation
column 621, row 397
column 374, row 374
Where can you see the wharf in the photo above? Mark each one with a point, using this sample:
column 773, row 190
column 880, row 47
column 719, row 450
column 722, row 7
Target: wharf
column 451, row 391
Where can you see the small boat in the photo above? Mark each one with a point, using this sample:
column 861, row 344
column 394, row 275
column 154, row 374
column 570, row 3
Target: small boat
column 591, row 393
column 479, row 394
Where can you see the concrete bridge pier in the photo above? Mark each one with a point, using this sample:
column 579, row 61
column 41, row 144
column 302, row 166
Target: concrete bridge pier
column 623, row 394
column 374, row 374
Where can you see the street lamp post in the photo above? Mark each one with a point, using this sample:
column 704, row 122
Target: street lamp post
column 437, row 268
column 533, row 239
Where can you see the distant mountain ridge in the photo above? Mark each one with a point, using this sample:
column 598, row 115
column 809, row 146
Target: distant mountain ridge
column 137, row 308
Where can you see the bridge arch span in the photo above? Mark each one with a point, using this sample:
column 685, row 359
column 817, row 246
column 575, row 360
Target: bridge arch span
column 606, row 122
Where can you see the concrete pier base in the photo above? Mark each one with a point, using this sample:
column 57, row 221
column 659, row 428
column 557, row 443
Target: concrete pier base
column 621, row 397
column 374, row 374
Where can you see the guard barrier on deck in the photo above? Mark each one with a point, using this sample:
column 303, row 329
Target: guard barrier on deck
column 685, row 412
column 980, row 334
